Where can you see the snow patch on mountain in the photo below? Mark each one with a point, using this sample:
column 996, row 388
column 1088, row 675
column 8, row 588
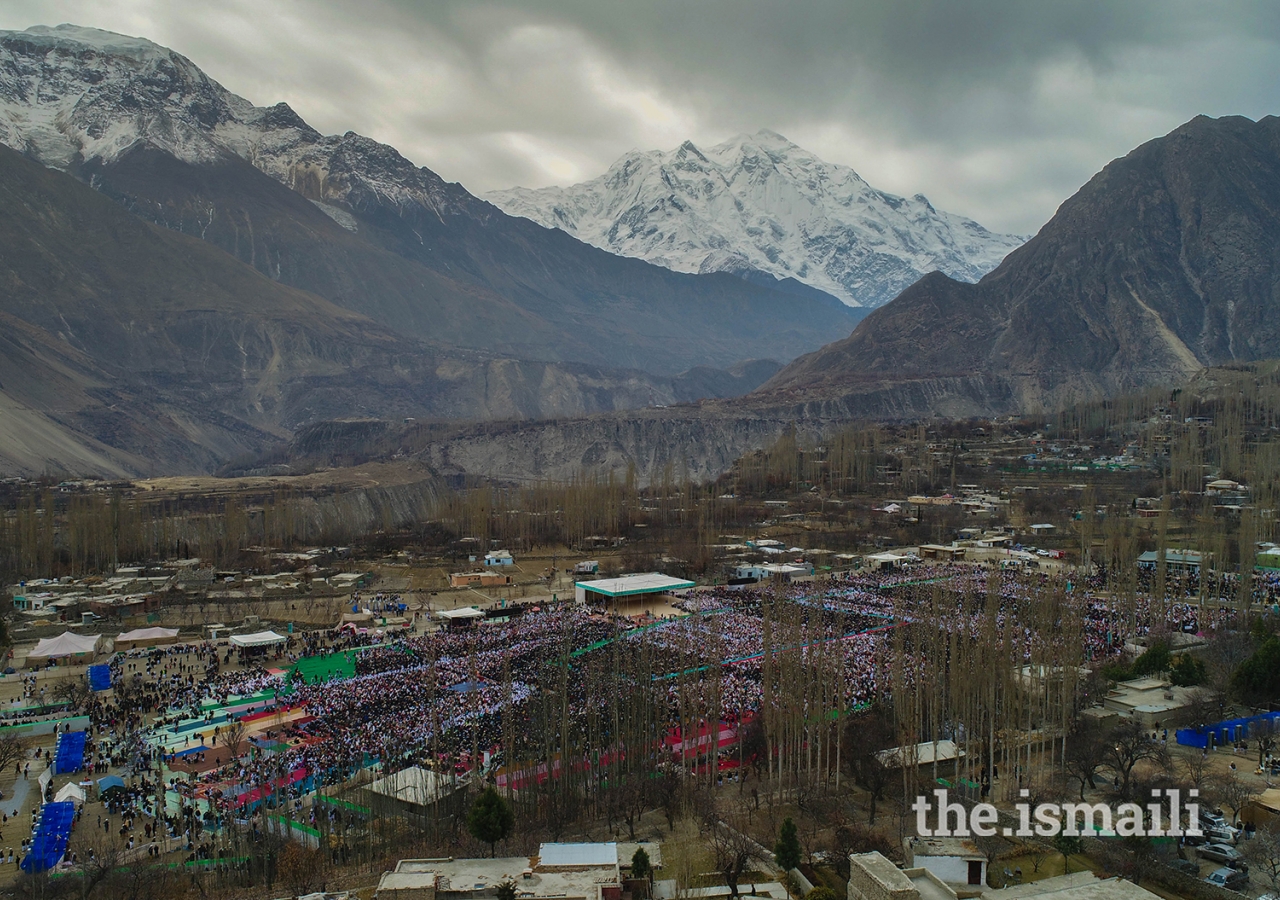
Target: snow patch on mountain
column 71, row 95
column 761, row 202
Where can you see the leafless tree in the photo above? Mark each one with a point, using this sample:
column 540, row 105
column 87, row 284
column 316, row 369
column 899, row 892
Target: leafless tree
column 1263, row 854
column 1038, row 853
column 1234, row 792
column 1267, row 734
column 12, row 750
column 233, row 735
column 733, row 852
column 1204, row 704
column 864, row 738
column 991, row 846
column 1194, row 768
column 1086, row 753
column 1127, row 746
column 71, row 691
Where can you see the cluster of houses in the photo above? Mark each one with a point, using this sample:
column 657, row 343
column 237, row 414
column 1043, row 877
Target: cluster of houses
column 138, row 590
column 563, row 871
column 492, row 575
column 934, row 869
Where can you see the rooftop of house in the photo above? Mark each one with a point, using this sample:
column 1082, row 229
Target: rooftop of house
column 480, row 876
column 1078, row 886
column 1147, row 695
column 946, row 846
column 928, row 886
column 882, row 869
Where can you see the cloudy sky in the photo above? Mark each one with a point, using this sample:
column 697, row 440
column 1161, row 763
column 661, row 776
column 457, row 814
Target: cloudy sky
column 998, row 110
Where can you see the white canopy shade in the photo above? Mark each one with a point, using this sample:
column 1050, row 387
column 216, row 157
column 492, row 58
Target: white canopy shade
column 69, row 791
column 66, row 644
column 258, row 639
column 465, row 612
column 149, row 634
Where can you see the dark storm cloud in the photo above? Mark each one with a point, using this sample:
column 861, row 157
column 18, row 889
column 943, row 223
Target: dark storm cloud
column 998, row 110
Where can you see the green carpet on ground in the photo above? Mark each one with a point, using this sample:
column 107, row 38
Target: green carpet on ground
column 327, row 667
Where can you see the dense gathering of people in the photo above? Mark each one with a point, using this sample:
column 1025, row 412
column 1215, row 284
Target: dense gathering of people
column 439, row 698
column 450, row 700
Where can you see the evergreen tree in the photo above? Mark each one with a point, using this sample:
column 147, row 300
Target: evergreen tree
column 640, row 867
column 1187, row 671
column 1258, row 678
column 490, row 819
column 787, row 850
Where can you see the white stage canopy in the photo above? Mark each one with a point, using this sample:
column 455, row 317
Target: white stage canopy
column 66, row 644
column 258, row 639
column 149, row 634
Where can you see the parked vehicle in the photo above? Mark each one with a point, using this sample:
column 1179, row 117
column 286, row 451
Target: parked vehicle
column 1231, row 879
column 1210, row 819
column 1218, row 835
column 1223, row 853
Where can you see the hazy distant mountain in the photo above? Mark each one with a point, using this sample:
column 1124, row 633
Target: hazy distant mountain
column 1163, row 263
column 759, row 203
column 354, row 222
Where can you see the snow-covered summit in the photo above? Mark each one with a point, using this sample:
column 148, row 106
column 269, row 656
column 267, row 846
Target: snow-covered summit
column 79, row 37
column 759, row 202
column 71, row 96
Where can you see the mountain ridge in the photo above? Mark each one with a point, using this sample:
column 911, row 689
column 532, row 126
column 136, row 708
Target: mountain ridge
column 1163, row 263
column 762, row 203
column 130, row 349
column 353, row 221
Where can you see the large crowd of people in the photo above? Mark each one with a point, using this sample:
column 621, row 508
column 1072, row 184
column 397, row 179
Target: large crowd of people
column 449, row 699
column 437, row 698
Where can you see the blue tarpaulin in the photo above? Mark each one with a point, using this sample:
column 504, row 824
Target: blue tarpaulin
column 99, row 678
column 1227, row 731
column 49, row 843
column 68, row 755
column 111, row 781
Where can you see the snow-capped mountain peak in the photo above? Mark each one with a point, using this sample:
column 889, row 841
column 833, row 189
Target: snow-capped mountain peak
column 71, row 96
column 78, row 37
column 760, row 202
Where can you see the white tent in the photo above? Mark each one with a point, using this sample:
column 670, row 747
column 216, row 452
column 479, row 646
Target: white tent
column 415, row 785
column 148, row 634
column 69, row 791
column 465, row 612
column 66, row 644
column 460, row 618
column 921, row 754
column 258, row 639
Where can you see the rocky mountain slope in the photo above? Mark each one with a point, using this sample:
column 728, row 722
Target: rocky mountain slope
column 354, row 222
column 1163, row 263
column 128, row 349
column 701, row 440
column 760, row 204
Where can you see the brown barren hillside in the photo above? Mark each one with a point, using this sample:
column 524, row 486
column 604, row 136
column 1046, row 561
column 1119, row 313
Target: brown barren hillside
column 1163, row 263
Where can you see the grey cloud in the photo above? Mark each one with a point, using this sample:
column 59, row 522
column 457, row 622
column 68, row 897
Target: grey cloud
column 997, row 109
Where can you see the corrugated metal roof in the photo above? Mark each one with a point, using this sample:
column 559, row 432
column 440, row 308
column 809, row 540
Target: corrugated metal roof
column 647, row 583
